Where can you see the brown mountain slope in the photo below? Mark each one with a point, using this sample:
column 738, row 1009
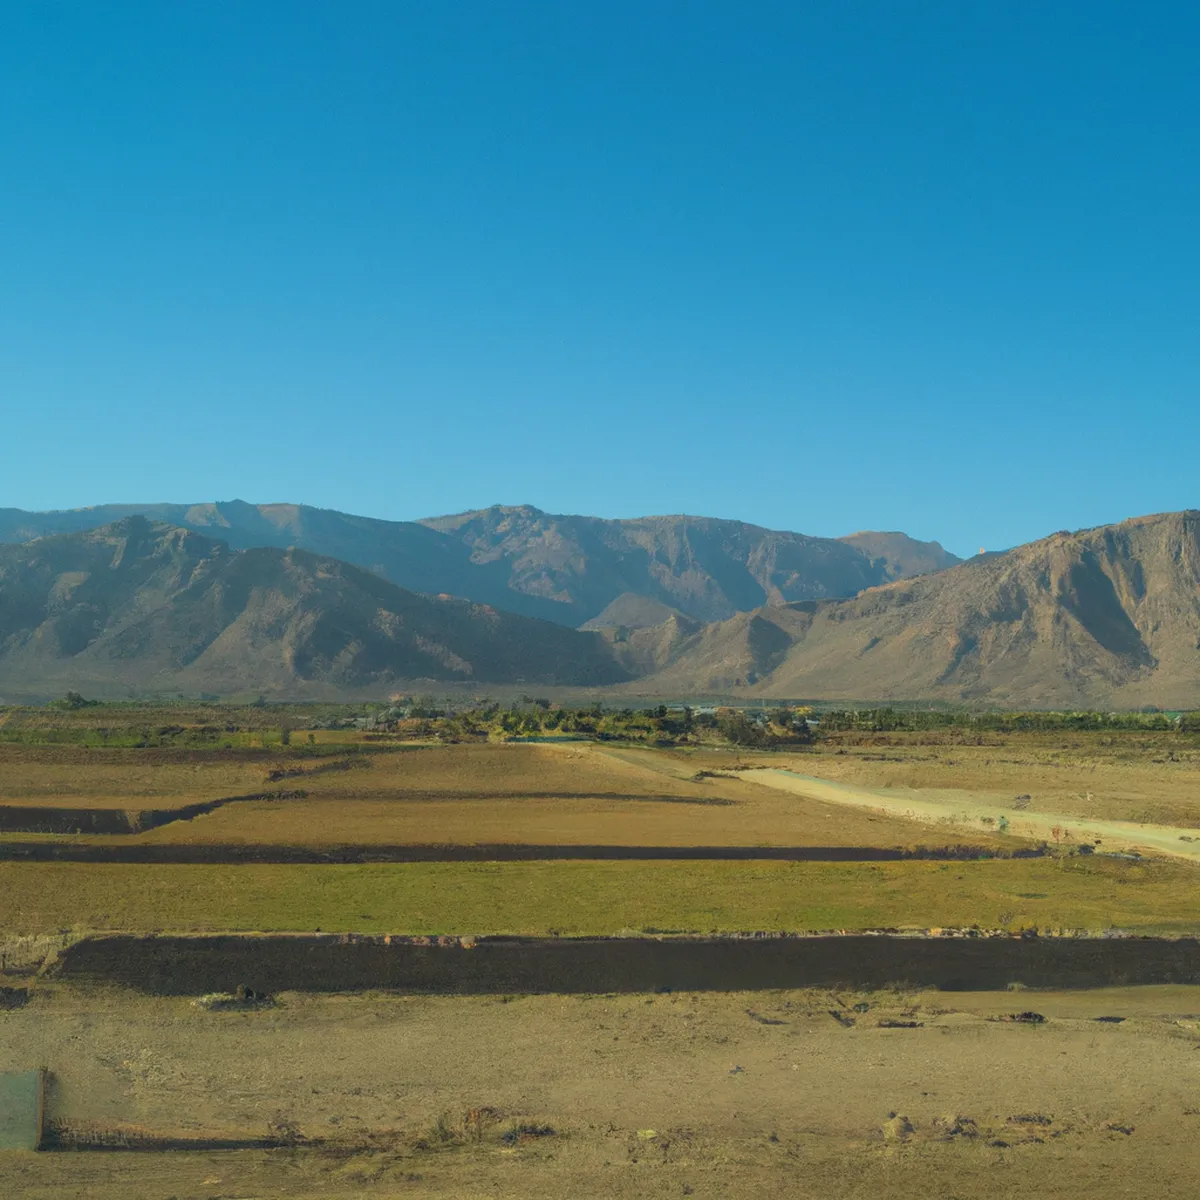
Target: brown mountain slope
column 148, row 605
column 567, row 569
column 1107, row 616
column 404, row 552
column 705, row 568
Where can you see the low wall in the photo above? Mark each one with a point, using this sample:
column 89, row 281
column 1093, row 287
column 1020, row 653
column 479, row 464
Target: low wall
column 199, row 852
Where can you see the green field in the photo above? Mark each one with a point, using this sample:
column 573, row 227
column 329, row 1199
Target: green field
column 597, row 898
column 581, row 794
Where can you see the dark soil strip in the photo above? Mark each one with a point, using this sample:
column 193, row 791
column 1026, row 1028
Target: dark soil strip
column 136, row 852
column 37, row 819
column 198, row 965
column 18, row 818
column 341, row 764
column 67, row 1138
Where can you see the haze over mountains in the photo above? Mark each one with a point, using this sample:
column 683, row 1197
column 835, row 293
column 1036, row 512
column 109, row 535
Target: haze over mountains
column 152, row 606
column 568, row 569
column 1107, row 617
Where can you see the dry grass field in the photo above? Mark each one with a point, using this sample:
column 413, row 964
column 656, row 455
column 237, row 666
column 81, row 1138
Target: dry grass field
column 538, row 795
column 76, row 777
column 561, row 796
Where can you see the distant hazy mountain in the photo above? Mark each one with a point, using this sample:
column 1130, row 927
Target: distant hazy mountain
column 568, row 569
column 703, row 567
column 1107, row 616
column 147, row 605
column 405, row 552
column 902, row 557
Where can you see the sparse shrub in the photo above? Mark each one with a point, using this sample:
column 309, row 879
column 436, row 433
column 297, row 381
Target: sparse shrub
column 478, row 1120
column 441, row 1135
column 526, row 1132
column 283, row 1130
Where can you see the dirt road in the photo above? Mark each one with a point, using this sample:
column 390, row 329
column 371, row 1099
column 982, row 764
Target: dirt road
column 960, row 810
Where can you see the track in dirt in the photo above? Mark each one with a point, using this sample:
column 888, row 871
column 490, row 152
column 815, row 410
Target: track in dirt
column 313, row 963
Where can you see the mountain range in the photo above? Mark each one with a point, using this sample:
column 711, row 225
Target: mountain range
column 568, row 569
column 662, row 606
column 147, row 605
column 1102, row 617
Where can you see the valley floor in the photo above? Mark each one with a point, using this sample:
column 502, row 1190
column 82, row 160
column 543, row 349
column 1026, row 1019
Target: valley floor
column 802, row 1093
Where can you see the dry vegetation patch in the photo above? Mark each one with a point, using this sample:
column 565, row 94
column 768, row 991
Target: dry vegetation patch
column 77, row 777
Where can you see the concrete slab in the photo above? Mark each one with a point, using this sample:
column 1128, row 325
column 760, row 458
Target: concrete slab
column 21, row 1110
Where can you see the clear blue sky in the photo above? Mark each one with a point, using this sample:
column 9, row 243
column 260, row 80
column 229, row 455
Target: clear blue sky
column 931, row 266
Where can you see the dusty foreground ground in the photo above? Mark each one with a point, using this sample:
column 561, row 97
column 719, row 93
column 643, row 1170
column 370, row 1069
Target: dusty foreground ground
column 753, row 1094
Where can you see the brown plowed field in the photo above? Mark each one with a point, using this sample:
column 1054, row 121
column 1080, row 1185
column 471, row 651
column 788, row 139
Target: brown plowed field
column 459, row 794
column 76, row 777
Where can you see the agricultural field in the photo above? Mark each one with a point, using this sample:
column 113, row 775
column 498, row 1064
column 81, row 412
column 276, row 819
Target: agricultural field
column 231, row 815
column 586, row 898
column 76, row 777
column 566, row 795
column 263, row 828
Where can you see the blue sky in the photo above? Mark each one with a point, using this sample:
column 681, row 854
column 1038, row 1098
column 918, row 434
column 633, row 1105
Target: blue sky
column 925, row 266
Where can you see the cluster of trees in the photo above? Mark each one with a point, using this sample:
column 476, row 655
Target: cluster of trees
column 659, row 724
column 72, row 701
column 881, row 720
column 774, row 727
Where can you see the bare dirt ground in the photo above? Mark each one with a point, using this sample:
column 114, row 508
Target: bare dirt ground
column 962, row 810
column 750, row 1094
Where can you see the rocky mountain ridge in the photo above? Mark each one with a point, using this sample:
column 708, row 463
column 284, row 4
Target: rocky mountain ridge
column 1101, row 617
column 568, row 569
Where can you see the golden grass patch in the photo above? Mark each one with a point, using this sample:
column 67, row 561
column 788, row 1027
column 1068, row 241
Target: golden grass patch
column 75, row 777
column 457, row 794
